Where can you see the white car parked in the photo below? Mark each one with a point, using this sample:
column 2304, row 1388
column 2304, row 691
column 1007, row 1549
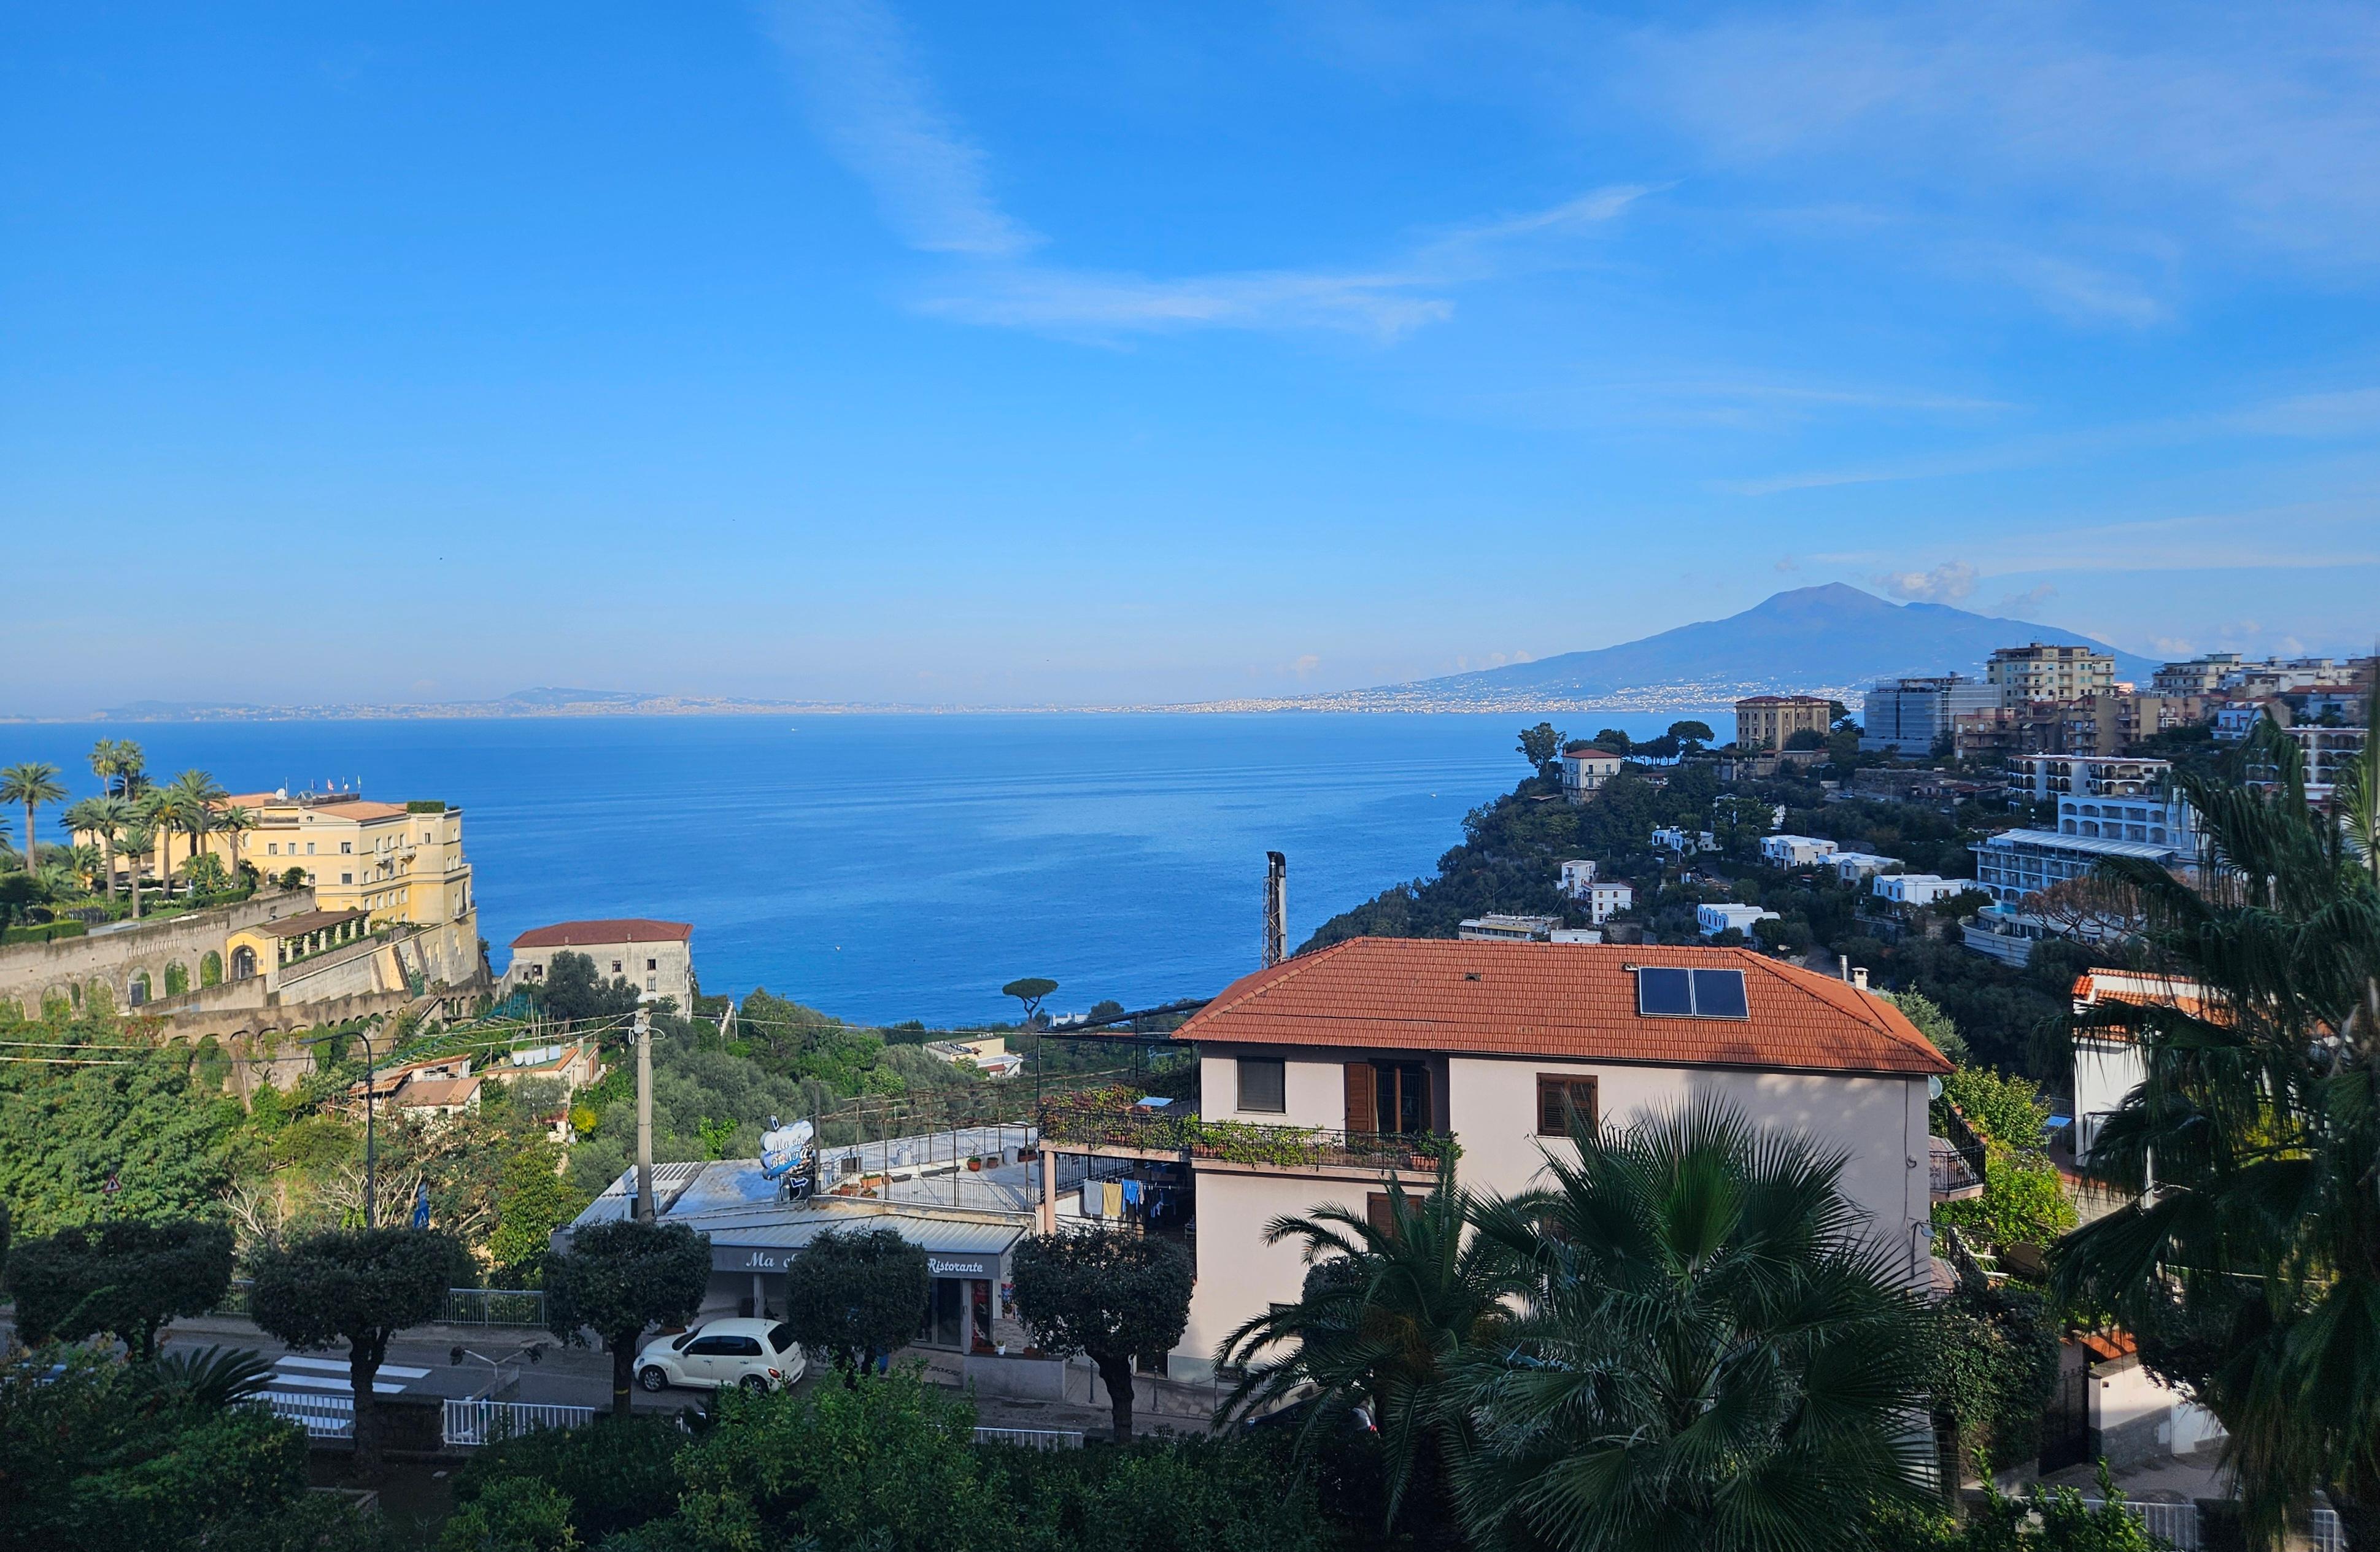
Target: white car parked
column 757, row 1354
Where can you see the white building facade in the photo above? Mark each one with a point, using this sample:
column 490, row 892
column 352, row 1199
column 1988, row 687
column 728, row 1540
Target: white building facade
column 1382, row 1050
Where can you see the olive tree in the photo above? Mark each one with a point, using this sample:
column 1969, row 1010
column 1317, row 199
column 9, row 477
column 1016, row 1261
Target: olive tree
column 621, row 1279
column 854, row 1294
column 359, row 1285
column 1110, row 1296
column 123, row 1278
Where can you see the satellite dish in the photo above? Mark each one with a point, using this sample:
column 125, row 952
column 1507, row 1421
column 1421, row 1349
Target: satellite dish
column 1933, row 1088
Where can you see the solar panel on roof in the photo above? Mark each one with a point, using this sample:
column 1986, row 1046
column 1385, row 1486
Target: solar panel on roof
column 1664, row 993
column 1719, row 994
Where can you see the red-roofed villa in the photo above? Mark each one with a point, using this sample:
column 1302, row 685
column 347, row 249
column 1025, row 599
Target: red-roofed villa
column 1340, row 1068
column 656, row 957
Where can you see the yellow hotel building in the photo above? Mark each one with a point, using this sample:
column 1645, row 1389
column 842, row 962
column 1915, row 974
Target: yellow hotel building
column 395, row 861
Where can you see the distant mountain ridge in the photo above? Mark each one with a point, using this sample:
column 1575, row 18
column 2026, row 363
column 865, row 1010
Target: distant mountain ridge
column 1833, row 638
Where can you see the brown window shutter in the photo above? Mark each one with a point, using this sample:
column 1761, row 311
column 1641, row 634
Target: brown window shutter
column 1363, row 1105
column 1376, row 1213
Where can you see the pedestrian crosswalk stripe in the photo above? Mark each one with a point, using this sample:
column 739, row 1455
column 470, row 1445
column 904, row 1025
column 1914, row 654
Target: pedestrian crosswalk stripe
column 324, row 1382
column 333, row 1365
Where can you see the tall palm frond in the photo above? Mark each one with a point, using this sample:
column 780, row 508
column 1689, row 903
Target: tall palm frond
column 2249, row 1261
column 1716, row 1356
column 1387, row 1311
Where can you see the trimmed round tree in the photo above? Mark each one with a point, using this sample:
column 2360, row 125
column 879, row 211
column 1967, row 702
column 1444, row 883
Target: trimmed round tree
column 122, row 1279
column 856, row 1294
column 620, row 1279
column 362, row 1286
column 1109, row 1295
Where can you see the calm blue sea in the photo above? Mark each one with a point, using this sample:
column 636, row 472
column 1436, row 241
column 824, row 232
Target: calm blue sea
column 886, row 867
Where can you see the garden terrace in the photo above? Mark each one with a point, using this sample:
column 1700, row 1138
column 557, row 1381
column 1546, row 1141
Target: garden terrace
column 1112, row 1120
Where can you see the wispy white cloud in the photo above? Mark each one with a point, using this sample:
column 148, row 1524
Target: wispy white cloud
column 876, row 106
column 1947, row 583
column 2353, row 412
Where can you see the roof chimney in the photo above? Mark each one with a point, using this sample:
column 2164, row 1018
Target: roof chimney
column 1276, row 929
column 1859, row 976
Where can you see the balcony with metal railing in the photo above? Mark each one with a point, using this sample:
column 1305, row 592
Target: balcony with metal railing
column 1113, row 1122
column 1954, row 1156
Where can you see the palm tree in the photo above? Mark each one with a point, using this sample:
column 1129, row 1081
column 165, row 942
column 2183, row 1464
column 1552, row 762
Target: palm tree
column 154, row 811
column 32, row 783
column 232, row 822
column 1387, row 1310
column 193, row 796
column 102, row 817
column 134, row 842
column 1716, row 1356
column 2249, row 1261
column 120, row 765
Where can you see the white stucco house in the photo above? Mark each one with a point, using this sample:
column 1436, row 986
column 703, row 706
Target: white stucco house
column 1796, row 851
column 1713, row 919
column 1918, row 888
column 1365, row 1058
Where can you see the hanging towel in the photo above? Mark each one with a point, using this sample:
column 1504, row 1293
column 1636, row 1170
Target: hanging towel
column 1113, row 1207
column 1132, row 1193
column 1092, row 1198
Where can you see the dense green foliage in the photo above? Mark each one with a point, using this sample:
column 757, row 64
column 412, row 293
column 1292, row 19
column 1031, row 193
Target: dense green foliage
column 620, row 1279
column 613, row 1476
column 1995, row 1365
column 890, row 1464
column 125, row 1278
column 140, row 1121
column 1109, row 1295
column 573, row 992
column 857, row 1295
column 96, row 1455
column 360, row 1287
column 532, row 1201
column 2024, row 1199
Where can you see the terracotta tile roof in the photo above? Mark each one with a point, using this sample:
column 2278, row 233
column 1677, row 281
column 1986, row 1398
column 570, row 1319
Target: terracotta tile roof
column 626, row 929
column 2131, row 989
column 362, row 810
column 1575, row 1002
column 425, row 1094
column 1589, row 754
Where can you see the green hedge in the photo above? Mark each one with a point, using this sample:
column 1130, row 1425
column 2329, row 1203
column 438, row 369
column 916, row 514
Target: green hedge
column 426, row 805
column 47, row 932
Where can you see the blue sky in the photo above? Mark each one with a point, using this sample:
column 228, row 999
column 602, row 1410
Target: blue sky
column 968, row 354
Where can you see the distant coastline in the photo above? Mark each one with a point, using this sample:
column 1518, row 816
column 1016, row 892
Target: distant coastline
column 1394, row 698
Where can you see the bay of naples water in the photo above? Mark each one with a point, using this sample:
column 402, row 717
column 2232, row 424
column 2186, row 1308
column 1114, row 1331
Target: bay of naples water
column 892, row 867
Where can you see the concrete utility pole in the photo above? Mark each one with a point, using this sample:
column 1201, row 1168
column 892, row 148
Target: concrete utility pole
column 642, row 1036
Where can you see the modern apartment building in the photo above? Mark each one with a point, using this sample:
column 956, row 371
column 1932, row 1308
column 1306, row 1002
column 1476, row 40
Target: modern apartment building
column 1361, row 1063
column 1583, row 773
column 2044, row 778
column 1768, row 721
column 655, row 957
column 2040, row 671
column 2200, row 677
column 1911, row 716
column 2017, row 863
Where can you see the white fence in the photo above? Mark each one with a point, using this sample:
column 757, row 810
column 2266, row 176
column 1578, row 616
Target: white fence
column 1031, row 1439
column 2177, row 1523
column 471, row 1424
column 320, row 1416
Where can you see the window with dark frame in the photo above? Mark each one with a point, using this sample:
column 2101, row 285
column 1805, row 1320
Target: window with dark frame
column 1264, row 1085
column 1558, row 1097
